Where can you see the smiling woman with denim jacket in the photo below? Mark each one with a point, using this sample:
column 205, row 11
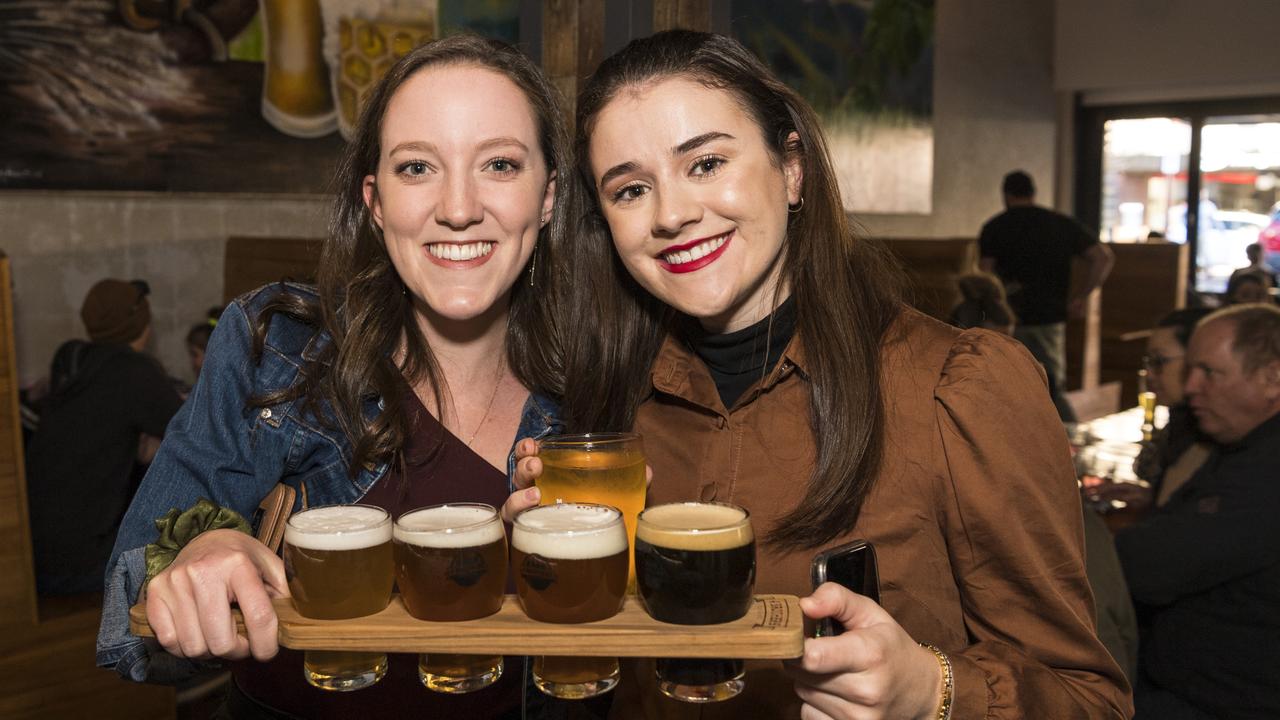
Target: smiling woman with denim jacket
column 401, row 380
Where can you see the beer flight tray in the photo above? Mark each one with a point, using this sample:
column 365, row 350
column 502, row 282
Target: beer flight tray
column 772, row 629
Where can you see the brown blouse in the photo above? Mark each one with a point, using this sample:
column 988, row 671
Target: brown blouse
column 975, row 518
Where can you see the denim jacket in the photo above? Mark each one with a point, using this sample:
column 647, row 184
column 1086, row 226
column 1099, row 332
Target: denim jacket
column 219, row 447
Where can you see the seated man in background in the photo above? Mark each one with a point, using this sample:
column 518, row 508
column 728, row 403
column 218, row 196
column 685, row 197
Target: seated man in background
column 1207, row 563
column 1257, row 266
column 108, row 402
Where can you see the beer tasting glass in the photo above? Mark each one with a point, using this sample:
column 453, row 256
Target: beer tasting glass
column 337, row 559
column 451, row 564
column 604, row 468
column 570, row 561
column 696, row 565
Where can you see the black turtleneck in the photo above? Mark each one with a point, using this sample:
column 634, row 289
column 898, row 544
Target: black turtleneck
column 740, row 358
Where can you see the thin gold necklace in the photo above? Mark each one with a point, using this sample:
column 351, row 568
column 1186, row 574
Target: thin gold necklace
column 496, row 384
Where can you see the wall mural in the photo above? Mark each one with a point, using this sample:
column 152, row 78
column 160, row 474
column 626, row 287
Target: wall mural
column 867, row 67
column 201, row 95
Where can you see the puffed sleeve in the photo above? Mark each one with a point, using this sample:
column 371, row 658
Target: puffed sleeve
column 1015, row 541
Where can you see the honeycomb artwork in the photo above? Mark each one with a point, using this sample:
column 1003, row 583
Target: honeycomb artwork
column 366, row 50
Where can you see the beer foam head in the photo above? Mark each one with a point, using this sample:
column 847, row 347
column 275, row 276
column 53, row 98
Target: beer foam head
column 570, row 531
column 450, row 526
column 695, row 526
column 339, row 527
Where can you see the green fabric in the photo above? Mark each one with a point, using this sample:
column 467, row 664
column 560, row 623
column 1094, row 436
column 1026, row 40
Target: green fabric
column 179, row 528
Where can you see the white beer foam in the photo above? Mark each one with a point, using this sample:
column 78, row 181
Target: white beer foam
column 570, row 531
column 338, row 527
column 695, row 526
column 449, row 526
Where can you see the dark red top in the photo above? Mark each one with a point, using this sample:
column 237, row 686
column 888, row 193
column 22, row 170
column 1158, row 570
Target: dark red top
column 434, row 473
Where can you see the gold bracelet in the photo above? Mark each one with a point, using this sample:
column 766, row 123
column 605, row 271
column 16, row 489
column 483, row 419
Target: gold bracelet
column 948, row 681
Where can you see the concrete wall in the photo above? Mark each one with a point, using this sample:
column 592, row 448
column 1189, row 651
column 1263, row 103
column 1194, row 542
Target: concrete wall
column 1167, row 49
column 994, row 111
column 60, row 244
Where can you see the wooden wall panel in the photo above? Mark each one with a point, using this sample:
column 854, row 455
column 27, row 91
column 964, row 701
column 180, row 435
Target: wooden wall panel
column 687, row 14
column 932, row 266
column 252, row 262
column 17, row 572
column 49, row 673
column 560, row 49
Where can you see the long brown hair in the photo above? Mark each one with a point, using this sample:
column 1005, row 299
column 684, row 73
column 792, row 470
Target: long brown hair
column 846, row 289
column 363, row 306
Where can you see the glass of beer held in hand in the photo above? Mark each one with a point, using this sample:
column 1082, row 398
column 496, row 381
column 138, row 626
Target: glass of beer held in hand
column 451, row 564
column 604, row 468
column 696, row 565
column 570, row 561
column 337, row 559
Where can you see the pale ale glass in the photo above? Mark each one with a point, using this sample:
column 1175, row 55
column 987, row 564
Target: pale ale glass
column 338, row 562
column 451, row 564
column 1147, row 401
column 570, row 561
column 696, row 565
column 603, row 468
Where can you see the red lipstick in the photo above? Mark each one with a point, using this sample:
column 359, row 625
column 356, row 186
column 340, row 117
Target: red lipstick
column 699, row 263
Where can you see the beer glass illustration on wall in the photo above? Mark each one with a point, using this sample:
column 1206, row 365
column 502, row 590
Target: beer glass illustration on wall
column 451, row 564
column 570, row 561
column 338, row 561
column 371, row 36
column 696, row 565
column 605, row 468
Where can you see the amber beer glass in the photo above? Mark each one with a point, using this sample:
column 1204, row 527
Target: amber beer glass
column 338, row 561
column 451, row 564
column 604, row 468
column 696, row 565
column 570, row 561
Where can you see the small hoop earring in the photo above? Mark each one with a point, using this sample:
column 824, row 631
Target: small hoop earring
column 796, row 208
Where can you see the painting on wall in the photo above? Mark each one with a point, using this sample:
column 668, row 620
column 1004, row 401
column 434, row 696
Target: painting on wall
column 867, row 67
column 250, row 96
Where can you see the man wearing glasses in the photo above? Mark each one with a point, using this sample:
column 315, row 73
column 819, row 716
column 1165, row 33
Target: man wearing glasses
column 1206, row 565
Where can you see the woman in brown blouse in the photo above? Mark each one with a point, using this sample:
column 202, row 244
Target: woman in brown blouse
column 764, row 353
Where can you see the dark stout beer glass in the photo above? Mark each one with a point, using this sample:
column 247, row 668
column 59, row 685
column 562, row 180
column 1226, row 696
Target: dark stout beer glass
column 570, row 561
column 337, row 559
column 451, row 564
column 696, row 565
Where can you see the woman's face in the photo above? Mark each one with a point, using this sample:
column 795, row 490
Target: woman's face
column 461, row 188
column 695, row 201
column 1165, row 366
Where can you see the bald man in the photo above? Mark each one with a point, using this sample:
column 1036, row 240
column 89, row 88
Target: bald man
column 1207, row 564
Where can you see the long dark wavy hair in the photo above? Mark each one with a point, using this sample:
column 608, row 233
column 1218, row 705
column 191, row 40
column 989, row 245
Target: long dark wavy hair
column 846, row 289
column 363, row 306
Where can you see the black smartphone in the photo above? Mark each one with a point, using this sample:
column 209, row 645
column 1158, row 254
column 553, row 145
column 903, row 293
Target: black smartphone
column 852, row 565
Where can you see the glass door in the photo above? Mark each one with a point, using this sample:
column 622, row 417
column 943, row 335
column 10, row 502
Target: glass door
column 1144, row 179
column 1239, row 173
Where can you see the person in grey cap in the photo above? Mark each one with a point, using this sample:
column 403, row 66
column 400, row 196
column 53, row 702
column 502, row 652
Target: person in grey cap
column 105, row 397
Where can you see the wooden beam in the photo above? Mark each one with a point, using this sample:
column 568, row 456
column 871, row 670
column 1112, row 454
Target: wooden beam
column 687, row 14
column 560, row 49
column 590, row 38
